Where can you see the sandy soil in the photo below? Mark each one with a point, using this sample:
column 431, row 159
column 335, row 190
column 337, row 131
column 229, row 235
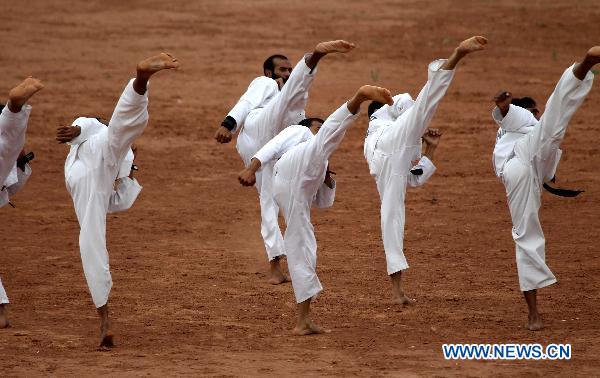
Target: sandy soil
column 190, row 295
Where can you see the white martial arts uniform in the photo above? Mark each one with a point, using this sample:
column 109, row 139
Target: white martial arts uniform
column 13, row 127
column 99, row 156
column 262, row 112
column 526, row 155
column 393, row 142
column 298, row 182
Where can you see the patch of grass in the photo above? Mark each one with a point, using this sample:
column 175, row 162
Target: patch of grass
column 375, row 75
column 554, row 56
column 595, row 72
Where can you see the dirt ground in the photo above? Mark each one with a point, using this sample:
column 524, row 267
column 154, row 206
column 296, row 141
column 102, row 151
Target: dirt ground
column 190, row 295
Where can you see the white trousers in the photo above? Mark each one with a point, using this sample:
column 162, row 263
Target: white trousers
column 397, row 148
column 261, row 125
column 13, row 127
column 298, row 175
column 90, row 181
column 525, row 173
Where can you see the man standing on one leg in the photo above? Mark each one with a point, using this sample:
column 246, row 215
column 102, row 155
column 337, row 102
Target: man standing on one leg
column 301, row 178
column 525, row 157
column 102, row 156
column 13, row 127
column 271, row 103
column 393, row 142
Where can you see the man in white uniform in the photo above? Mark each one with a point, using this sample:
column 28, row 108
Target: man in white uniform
column 271, row 103
column 301, row 178
column 13, row 127
column 100, row 156
column 393, row 143
column 525, row 157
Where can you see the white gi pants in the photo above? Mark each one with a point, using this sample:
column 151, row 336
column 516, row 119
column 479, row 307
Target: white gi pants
column 532, row 165
column 90, row 180
column 261, row 125
column 396, row 149
column 298, row 175
column 13, row 127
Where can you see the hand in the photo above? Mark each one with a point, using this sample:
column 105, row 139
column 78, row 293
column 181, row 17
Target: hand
column 247, row 177
column 432, row 137
column 134, row 167
column 280, row 82
column 66, row 134
column 223, row 135
column 503, row 99
column 328, row 179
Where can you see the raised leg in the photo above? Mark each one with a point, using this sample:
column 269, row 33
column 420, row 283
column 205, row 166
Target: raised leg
column 325, row 48
column 590, row 60
column 148, row 67
column 466, row 47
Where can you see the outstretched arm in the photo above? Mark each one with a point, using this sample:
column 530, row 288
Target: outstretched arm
column 284, row 141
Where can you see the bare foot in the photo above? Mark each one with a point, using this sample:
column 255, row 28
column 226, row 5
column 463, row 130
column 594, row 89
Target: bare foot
column 106, row 338
column 472, row 44
column 340, row 46
column 276, row 272
column 593, row 55
column 4, row 323
column 403, row 300
column 106, row 335
column 534, row 323
column 19, row 95
column 278, row 278
column 308, row 328
column 152, row 65
column 379, row 94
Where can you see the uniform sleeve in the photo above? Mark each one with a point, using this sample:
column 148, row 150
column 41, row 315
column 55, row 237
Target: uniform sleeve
column 88, row 128
column 258, row 93
column 428, row 169
column 284, row 141
column 515, row 119
column 125, row 195
column 325, row 196
column 22, row 177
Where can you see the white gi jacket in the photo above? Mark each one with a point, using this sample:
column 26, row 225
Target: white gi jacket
column 98, row 157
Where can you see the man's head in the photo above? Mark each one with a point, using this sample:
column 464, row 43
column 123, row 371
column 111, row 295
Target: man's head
column 314, row 124
column 527, row 103
column 277, row 66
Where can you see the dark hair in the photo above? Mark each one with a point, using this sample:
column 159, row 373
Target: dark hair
column 308, row 121
column 373, row 107
column 269, row 64
column 524, row 102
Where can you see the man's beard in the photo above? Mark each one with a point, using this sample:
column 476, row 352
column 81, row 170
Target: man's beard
column 275, row 77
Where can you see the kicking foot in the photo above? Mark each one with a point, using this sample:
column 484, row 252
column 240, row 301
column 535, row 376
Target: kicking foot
column 19, row 95
column 534, row 323
column 593, row 55
column 472, row 44
column 152, row 65
column 340, row 46
column 308, row 328
column 403, row 300
column 379, row 94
